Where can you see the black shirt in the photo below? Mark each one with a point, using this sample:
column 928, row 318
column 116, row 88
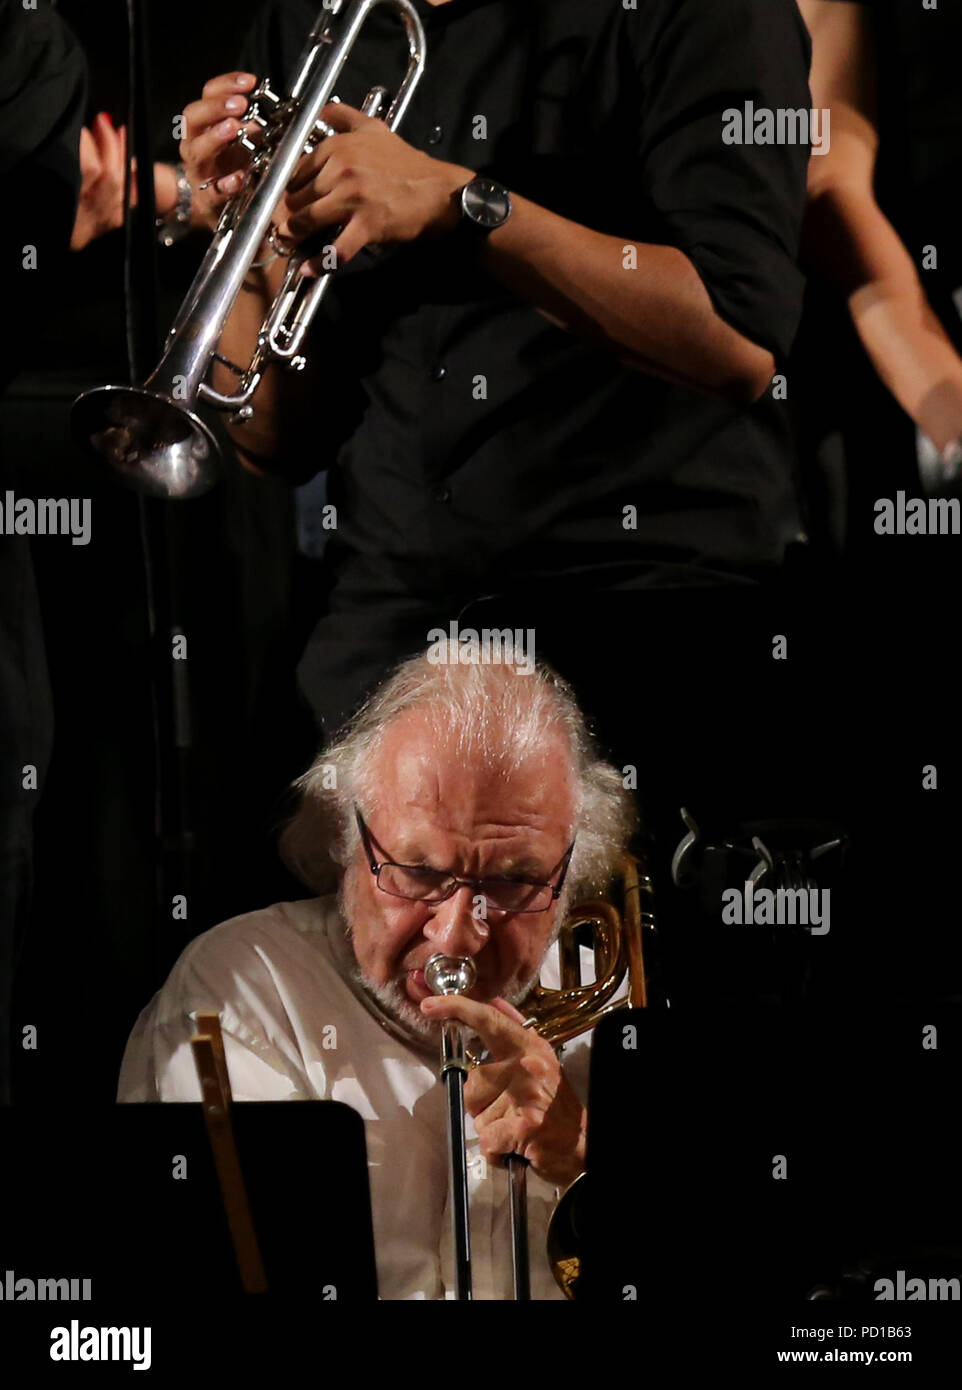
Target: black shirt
column 612, row 118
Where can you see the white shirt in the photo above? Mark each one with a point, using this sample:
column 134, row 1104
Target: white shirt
column 273, row 976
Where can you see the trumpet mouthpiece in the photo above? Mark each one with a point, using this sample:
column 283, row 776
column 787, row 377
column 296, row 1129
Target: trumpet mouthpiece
column 449, row 974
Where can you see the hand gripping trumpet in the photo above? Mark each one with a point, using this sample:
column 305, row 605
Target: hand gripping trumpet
column 151, row 434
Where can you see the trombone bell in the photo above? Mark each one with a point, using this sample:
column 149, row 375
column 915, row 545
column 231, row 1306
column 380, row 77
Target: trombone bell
column 619, row 939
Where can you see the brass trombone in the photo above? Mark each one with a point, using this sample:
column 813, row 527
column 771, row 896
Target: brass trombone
column 618, row 937
column 151, row 434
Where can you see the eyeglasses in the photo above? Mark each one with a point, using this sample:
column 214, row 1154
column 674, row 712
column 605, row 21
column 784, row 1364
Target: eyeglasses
column 420, row 884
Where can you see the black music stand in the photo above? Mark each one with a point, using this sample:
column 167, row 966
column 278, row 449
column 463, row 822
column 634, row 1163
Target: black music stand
column 680, row 1205
column 91, row 1193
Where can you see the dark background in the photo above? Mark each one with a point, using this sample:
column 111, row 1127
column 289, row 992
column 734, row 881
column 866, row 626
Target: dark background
column 102, row 937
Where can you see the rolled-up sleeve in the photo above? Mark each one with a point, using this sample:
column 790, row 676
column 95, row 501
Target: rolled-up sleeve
column 734, row 209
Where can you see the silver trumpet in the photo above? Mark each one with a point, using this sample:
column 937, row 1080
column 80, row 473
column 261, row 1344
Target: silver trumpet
column 151, row 434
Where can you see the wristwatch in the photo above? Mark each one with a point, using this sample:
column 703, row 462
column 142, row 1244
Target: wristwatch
column 485, row 206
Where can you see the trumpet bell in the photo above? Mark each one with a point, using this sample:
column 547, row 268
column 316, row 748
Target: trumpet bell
column 152, row 439
column 152, row 444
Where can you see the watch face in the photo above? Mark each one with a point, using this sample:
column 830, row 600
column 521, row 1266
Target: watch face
column 486, row 203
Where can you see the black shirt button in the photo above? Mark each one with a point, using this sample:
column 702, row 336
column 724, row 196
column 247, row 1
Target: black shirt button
column 435, row 135
column 442, row 494
column 439, row 372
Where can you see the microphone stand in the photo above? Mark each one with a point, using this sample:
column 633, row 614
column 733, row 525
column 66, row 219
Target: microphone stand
column 161, row 540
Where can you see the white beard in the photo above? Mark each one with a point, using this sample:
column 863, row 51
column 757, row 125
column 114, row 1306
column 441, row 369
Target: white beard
column 396, row 1004
column 392, row 997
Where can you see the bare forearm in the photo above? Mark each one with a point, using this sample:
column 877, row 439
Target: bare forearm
column 280, row 398
column 656, row 315
column 654, row 312
column 853, row 244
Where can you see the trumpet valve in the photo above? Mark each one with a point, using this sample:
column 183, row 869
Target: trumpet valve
column 320, row 132
column 265, row 109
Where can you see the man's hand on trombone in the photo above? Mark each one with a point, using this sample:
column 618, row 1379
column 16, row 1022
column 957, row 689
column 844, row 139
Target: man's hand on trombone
column 520, row 1100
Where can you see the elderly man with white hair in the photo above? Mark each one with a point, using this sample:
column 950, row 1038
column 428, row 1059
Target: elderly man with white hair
column 460, row 812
